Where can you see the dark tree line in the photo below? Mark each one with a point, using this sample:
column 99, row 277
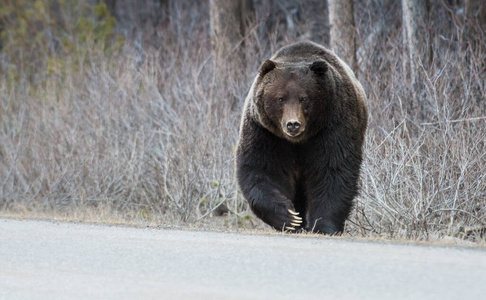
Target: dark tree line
column 233, row 22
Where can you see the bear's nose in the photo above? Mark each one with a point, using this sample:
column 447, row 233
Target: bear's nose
column 293, row 126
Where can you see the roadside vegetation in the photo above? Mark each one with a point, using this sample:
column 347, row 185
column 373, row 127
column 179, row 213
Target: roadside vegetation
column 133, row 115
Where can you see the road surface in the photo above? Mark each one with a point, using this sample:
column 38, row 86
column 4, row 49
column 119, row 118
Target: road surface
column 48, row 260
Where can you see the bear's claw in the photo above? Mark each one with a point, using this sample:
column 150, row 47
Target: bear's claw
column 295, row 222
column 293, row 212
column 295, row 217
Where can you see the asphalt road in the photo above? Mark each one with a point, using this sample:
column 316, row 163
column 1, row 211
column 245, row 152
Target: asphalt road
column 47, row 260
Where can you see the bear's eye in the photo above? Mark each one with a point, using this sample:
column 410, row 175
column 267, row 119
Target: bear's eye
column 280, row 99
column 303, row 100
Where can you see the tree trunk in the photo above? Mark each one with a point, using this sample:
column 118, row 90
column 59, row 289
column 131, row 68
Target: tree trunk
column 229, row 22
column 229, row 19
column 476, row 12
column 343, row 34
column 111, row 6
column 475, row 22
column 417, row 52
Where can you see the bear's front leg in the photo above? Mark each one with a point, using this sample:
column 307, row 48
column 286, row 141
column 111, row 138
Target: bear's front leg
column 268, row 202
column 263, row 162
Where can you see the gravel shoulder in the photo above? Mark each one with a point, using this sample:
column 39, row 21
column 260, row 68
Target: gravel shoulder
column 42, row 259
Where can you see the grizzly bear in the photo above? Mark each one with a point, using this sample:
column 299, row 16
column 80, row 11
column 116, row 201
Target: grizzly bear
column 301, row 135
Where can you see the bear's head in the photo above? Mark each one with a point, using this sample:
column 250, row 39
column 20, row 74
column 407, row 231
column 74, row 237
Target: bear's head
column 292, row 98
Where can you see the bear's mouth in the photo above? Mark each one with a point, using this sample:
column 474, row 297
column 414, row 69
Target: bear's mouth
column 293, row 134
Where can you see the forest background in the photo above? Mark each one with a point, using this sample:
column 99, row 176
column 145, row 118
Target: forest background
column 128, row 111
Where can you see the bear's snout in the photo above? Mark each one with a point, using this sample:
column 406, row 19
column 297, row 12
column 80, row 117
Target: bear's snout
column 293, row 120
column 293, row 126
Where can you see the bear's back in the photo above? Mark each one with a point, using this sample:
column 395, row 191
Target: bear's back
column 301, row 51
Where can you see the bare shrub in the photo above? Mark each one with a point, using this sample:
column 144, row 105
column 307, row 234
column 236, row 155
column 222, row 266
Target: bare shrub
column 423, row 179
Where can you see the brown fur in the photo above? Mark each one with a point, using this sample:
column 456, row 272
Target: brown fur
column 301, row 139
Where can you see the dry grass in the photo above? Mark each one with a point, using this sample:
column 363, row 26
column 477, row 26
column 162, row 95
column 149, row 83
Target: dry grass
column 148, row 135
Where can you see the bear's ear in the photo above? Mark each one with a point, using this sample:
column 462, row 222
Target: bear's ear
column 319, row 67
column 266, row 67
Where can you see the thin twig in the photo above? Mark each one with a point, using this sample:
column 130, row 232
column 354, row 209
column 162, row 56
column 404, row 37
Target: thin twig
column 454, row 121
